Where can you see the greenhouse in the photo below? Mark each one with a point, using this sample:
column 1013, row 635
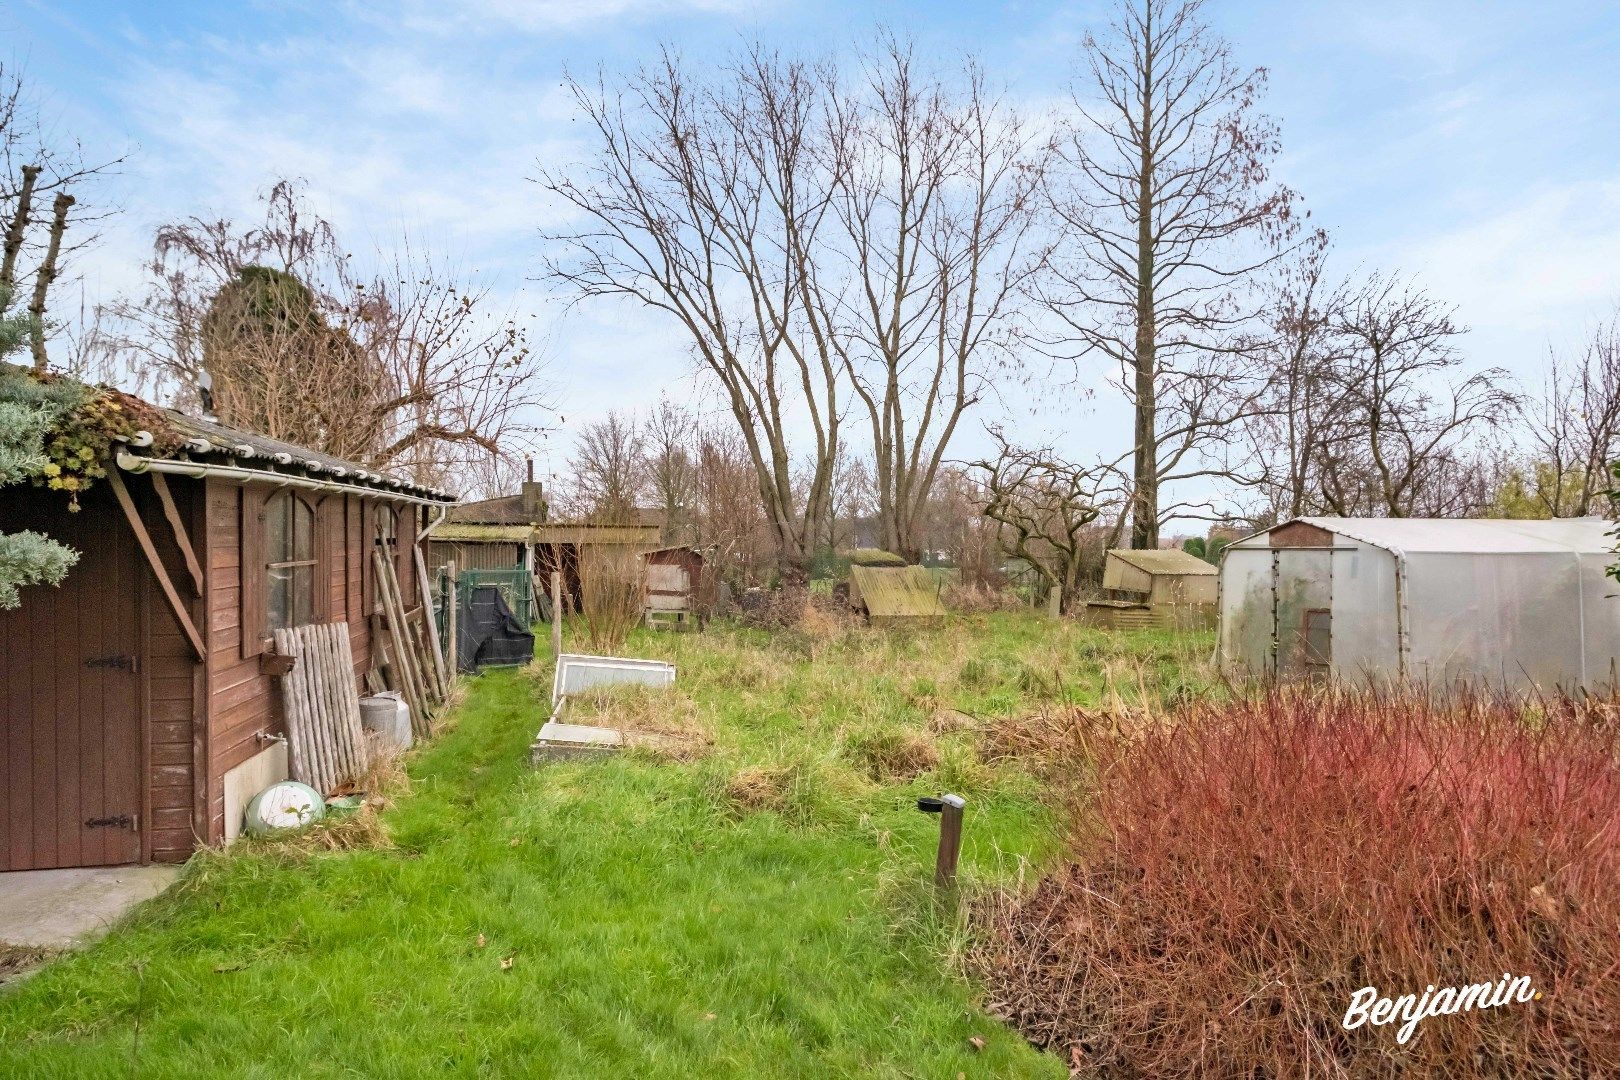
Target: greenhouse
column 1504, row 603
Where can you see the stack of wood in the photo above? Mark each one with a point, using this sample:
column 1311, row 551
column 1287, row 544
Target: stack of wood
column 325, row 742
column 410, row 659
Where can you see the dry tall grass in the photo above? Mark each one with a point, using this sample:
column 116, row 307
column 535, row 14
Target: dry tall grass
column 610, row 596
column 1243, row 869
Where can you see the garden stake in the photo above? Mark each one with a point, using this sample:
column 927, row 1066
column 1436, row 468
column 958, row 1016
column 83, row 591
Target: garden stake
column 949, row 808
column 556, row 614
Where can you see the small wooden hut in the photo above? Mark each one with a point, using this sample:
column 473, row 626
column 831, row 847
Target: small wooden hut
column 671, row 580
column 140, row 697
column 1164, row 587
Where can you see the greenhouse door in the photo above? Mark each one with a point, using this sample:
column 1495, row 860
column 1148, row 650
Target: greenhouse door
column 1302, row 610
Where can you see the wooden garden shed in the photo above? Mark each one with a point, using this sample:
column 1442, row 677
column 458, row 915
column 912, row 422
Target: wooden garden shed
column 671, row 584
column 139, row 700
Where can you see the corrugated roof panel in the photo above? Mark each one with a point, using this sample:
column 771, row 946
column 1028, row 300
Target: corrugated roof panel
column 898, row 591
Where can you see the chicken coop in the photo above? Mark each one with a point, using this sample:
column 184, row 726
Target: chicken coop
column 1167, row 588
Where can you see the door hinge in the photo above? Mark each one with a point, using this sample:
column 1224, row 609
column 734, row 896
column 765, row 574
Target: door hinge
column 119, row 821
column 119, row 660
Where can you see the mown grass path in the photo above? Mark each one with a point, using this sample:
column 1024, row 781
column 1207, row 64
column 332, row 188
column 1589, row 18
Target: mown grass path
column 624, row 917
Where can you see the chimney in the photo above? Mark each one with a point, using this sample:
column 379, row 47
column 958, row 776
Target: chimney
column 534, row 497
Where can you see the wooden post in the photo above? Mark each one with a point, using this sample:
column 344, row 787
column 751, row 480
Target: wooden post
column 556, row 614
column 950, row 841
column 400, row 634
column 181, row 539
column 441, row 679
column 182, row 614
column 452, row 621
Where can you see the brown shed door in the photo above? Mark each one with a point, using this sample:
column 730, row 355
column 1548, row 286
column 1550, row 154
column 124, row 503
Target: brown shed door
column 70, row 792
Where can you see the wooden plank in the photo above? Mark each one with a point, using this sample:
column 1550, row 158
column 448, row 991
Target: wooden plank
column 182, row 539
column 452, row 620
column 556, row 614
column 395, row 619
column 439, row 665
column 251, row 571
column 324, row 733
column 159, row 571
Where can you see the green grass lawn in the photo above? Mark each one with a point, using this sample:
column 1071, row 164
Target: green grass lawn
column 754, row 904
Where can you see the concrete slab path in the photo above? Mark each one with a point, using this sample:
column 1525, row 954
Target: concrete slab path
column 56, row 909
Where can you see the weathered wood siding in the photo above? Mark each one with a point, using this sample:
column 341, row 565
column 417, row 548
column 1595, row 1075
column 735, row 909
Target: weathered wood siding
column 176, row 735
column 239, row 697
column 107, row 684
column 1300, row 534
column 243, row 703
column 474, row 555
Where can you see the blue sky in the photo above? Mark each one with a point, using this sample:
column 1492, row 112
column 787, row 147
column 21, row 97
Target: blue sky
column 1473, row 144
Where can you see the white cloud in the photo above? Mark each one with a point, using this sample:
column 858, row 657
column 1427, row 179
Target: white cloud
column 533, row 16
column 1535, row 270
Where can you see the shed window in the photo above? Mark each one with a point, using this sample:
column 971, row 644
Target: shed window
column 289, row 562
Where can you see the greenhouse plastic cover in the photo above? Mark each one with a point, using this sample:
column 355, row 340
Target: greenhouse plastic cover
column 1507, row 603
column 1412, row 535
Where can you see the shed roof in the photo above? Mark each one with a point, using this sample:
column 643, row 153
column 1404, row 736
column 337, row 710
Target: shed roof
column 587, row 532
column 210, row 442
column 898, row 591
column 1158, row 561
column 462, row 532
column 501, row 510
column 1482, row 536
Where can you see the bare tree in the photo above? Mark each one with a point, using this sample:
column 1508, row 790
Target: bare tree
column 704, row 202
column 817, row 235
column 1283, row 434
column 954, row 523
column 609, row 467
column 670, row 437
column 403, row 367
column 854, row 501
column 731, row 520
column 1397, row 443
column 35, row 166
column 1045, row 507
column 936, row 206
column 1169, row 209
column 1572, row 427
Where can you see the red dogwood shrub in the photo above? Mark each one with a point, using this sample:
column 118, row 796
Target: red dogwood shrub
column 1243, row 870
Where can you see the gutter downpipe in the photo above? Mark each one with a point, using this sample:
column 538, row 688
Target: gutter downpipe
column 444, row 512
column 197, row 470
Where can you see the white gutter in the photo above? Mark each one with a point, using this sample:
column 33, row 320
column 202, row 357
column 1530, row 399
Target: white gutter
column 136, row 463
